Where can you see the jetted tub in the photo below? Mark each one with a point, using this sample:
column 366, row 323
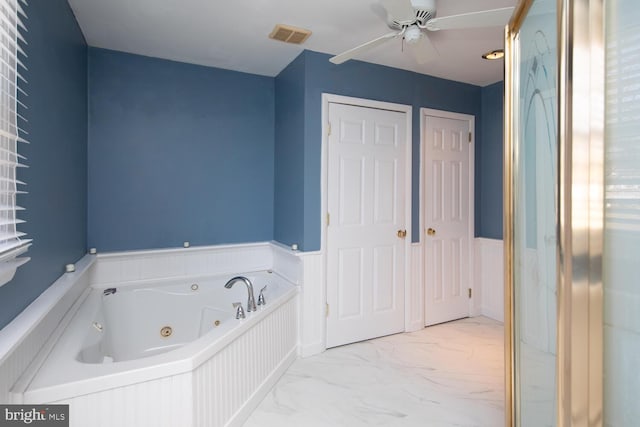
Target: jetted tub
column 169, row 353
column 141, row 321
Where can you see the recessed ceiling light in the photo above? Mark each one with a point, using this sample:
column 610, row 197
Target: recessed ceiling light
column 494, row 54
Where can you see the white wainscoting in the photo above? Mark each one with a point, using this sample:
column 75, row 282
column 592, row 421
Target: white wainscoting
column 489, row 272
column 24, row 342
column 305, row 269
column 287, row 263
column 223, row 391
column 123, row 267
column 312, row 304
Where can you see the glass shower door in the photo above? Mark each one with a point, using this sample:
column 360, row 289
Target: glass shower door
column 535, row 159
column 554, row 209
column 622, row 216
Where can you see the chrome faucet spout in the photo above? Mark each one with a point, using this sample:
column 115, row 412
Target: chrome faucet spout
column 251, row 302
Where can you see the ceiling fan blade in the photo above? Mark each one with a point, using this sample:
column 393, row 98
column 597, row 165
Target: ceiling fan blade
column 424, row 51
column 380, row 11
column 400, row 10
column 349, row 54
column 485, row 18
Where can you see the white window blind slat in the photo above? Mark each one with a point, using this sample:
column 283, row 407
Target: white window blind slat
column 21, row 12
column 4, row 207
column 14, row 156
column 11, row 83
column 9, row 222
column 4, row 33
column 9, row 251
column 9, row 23
column 6, row 236
column 9, row 56
column 6, row 134
column 12, row 21
column 10, row 181
column 12, row 242
column 11, row 163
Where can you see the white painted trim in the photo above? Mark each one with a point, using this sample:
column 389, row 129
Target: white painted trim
column 311, row 314
column 180, row 250
column 424, row 112
column 33, row 330
column 12, row 335
column 359, row 102
column 159, row 264
column 416, row 321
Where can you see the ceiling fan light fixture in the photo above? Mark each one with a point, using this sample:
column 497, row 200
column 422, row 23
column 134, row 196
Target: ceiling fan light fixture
column 412, row 34
column 494, row 54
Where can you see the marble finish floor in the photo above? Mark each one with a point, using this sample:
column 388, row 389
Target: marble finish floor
column 444, row 375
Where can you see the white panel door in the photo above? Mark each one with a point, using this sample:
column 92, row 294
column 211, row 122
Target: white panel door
column 446, row 219
column 366, row 206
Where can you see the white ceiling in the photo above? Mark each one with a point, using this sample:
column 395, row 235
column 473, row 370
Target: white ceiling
column 233, row 34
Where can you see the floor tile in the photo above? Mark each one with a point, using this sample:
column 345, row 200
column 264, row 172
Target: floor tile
column 444, row 375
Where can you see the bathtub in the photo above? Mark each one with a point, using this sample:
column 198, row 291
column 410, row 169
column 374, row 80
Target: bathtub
column 138, row 321
column 167, row 352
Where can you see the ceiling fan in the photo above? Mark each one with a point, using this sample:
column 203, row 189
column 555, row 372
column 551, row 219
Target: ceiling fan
column 411, row 19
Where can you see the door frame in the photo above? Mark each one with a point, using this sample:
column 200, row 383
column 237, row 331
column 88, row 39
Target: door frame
column 328, row 98
column 475, row 295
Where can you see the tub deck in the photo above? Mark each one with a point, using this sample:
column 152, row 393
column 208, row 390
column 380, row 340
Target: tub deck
column 73, row 368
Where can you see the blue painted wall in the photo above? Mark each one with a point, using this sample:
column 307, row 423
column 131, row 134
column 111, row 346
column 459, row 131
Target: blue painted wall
column 177, row 152
column 490, row 156
column 289, row 153
column 57, row 177
column 364, row 80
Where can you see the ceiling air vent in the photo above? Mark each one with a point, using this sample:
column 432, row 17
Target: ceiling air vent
column 289, row 34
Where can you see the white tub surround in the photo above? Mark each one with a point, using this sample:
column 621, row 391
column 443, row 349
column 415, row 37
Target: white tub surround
column 64, row 375
column 214, row 380
column 32, row 332
column 138, row 266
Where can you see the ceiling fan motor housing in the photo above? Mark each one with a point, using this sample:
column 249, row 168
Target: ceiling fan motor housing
column 425, row 10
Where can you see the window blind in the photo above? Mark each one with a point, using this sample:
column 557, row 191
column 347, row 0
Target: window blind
column 12, row 241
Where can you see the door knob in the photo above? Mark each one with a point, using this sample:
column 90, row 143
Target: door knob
column 431, row 232
column 402, row 234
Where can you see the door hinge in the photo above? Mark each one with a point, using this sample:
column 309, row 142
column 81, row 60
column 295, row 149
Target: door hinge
column 469, row 292
column 327, row 310
column 469, row 137
column 329, row 129
column 328, row 219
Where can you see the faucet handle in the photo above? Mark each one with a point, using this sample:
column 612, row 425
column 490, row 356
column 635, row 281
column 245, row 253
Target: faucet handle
column 261, row 300
column 239, row 310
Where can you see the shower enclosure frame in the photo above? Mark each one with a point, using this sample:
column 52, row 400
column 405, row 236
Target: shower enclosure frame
column 580, row 220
